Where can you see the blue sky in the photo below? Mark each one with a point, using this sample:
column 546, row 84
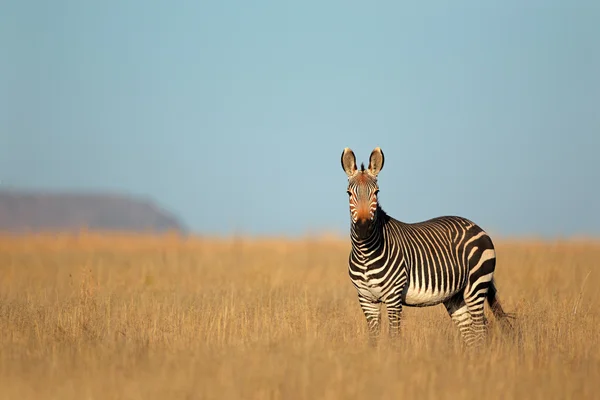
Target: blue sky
column 234, row 114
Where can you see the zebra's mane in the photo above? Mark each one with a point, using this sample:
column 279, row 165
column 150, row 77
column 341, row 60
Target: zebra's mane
column 362, row 167
column 382, row 214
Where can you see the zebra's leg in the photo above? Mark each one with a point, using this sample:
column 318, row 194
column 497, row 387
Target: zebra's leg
column 479, row 281
column 394, row 311
column 475, row 300
column 459, row 312
column 372, row 310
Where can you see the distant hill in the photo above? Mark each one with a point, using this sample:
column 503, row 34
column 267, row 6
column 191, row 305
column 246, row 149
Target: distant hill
column 31, row 211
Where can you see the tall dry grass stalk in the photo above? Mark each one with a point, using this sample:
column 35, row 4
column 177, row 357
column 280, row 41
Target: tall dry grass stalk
column 127, row 317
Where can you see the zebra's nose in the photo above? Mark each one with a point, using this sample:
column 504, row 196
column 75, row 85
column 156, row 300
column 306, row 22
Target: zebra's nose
column 362, row 226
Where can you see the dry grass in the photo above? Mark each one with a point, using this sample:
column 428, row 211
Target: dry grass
column 117, row 317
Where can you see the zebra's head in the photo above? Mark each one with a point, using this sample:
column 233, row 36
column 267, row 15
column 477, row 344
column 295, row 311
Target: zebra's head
column 363, row 189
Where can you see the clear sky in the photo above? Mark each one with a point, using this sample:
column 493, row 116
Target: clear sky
column 234, row 114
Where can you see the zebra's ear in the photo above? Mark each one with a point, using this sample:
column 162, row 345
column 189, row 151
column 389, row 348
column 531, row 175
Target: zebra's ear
column 349, row 162
column 376, row 161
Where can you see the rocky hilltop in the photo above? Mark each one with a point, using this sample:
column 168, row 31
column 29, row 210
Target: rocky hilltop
column 31, row 212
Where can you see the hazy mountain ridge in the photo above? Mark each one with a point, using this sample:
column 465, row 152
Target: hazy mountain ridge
column 22, row 211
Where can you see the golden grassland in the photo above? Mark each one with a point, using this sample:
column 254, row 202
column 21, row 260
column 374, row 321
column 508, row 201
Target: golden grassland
column 139, row 317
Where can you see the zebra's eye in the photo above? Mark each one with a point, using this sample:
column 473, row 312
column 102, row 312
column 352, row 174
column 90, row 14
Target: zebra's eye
column 376, row 192
column 349, row 192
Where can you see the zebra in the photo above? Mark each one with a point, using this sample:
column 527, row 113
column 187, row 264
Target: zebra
column 447, row 259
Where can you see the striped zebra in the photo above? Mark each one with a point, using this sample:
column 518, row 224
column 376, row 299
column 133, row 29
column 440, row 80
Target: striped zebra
column 447, row 260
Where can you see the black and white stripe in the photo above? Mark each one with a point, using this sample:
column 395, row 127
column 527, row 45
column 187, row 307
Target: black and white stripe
column 448, row 260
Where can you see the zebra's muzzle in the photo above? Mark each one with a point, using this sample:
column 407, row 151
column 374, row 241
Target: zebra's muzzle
column 363, row 227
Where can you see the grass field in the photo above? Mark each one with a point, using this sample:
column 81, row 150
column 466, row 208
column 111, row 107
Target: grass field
column 119, row 317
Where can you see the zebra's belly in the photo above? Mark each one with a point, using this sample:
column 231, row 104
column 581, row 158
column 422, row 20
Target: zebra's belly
column 420, row 297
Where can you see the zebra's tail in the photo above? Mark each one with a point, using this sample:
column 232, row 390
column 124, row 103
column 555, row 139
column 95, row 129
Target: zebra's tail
column 502, row 317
